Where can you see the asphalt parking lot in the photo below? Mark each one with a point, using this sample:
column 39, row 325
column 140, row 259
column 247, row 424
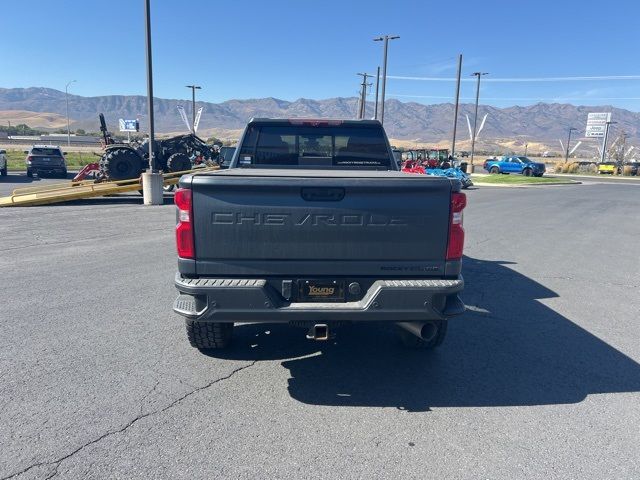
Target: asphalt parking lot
column 539, row 379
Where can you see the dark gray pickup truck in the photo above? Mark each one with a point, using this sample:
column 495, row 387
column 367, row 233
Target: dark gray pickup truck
column 314, row 226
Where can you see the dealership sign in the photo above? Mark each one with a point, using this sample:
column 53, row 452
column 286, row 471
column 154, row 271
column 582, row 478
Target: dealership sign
column 597, row 124
column 128, row 125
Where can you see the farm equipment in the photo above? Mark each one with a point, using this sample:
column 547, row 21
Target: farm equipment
column 122, row 161
column 432, row 162
column 430, row 158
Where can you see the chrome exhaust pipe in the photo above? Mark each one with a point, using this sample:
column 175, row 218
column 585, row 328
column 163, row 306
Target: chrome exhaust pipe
column 424, row 330
column 320, row 331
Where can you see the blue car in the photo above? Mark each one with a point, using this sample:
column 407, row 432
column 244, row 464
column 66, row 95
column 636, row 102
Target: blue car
column 515, row 164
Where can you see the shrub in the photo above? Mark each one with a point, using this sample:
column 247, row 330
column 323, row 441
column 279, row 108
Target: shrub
column 590, row 168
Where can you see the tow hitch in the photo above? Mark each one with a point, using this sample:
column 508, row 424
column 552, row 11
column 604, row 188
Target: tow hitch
column 319, row 331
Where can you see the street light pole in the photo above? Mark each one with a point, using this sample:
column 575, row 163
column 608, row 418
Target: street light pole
column 385, row 39
column 375, row 114
column 152, row 180
column 455, row 109
column 604, row 141
column 66, row 95
column 475, row 117
column 566, row 156
column 193, row 105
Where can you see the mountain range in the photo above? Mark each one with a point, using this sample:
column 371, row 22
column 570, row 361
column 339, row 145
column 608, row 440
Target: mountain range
column 539, row 125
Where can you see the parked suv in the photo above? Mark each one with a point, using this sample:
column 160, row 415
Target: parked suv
column 46, row 159
column 3, row 163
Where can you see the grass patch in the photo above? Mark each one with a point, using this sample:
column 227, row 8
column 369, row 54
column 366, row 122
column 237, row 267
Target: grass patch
column 16, row 159
column 515, row 180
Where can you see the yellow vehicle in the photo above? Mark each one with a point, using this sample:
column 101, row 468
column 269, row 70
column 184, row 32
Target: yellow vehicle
column 608, row 167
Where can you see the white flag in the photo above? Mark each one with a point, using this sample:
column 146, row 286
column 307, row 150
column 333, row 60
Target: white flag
column 197, row 120
column 183, row 114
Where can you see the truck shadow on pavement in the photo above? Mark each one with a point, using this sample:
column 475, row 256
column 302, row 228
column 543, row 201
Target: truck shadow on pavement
column 517, row 352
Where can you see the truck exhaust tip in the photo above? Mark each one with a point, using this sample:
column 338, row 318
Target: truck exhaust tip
column 424, row 330
column 320, row 331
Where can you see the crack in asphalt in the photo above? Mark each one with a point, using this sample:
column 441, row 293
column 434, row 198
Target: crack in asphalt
column 144, row 397
column 56, row 463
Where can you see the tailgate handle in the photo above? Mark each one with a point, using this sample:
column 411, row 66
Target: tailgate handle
column 322, row 194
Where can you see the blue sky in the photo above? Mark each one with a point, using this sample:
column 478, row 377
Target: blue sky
column 313, row 49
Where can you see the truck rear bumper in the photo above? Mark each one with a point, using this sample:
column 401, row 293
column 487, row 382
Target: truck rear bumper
column 254, row 301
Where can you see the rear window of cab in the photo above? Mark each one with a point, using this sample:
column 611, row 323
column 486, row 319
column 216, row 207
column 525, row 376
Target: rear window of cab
column 300, row 145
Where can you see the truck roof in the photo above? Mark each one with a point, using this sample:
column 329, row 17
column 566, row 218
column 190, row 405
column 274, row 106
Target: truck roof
column 314, row 121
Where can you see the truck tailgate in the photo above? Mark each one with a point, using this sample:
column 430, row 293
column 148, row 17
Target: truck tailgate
column 315, row 222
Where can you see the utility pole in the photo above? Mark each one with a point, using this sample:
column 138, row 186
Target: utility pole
column 363, row 95
column 604, row 141
column 566, row 156
column 455, row 109
column 375, row 114
column 193, row 105
column 385, row 39
column 475, row 118
column 526, row 146
column 151, row 180
column 66, row 95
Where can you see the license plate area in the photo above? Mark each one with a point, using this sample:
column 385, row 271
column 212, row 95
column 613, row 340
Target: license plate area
column 321, row 291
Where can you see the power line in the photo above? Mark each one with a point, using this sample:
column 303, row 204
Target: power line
column 515, row 98
column 527, row 79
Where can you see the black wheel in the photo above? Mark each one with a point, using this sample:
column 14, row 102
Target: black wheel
column 63, row 174
column 412, row 341
column 121, row 164
column 494, row 170
column 208, row 335
column 29, row 173
column 4, row 172
column 178, row 162
column 527, row 172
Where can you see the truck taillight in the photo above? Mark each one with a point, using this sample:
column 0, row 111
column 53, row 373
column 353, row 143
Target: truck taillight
column 184, row 228
column 456, row 232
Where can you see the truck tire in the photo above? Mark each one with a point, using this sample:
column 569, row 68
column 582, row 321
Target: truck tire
column 29, row 173
column 178, row 162
column 494, row 170
column 208, row 335
column 409, row 340
column 121, row 164
column 4, row 172
column 527, row 172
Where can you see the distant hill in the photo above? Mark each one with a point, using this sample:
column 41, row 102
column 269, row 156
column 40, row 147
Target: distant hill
column 540, row 125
